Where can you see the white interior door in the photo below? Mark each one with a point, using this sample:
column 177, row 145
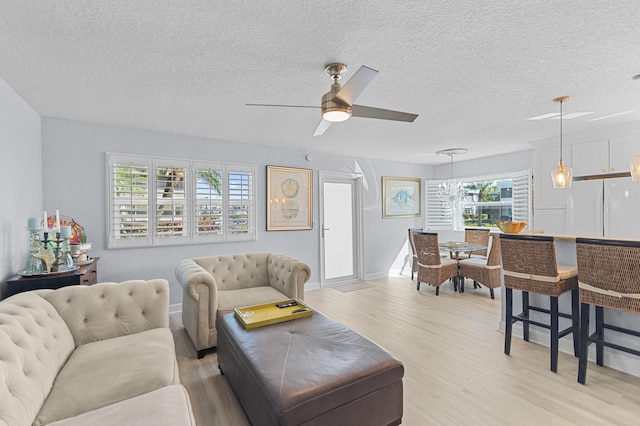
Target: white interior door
column 340, row 227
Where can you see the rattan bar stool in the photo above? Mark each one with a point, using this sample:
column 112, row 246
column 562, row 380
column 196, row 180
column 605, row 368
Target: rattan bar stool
column 432, row 269
column 529, row 265
column 608, row 271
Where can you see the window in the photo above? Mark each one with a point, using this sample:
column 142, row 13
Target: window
column 485, row 203
column 161, row 201
column 488, row 200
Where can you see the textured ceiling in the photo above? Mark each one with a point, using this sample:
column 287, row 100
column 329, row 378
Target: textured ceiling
column 474, row 71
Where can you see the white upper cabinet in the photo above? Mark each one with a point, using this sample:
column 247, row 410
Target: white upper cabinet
column 590, row 158
column 621, row 152
column 603, row 156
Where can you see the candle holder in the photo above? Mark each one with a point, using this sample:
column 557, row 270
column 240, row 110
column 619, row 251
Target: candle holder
column 35, row 265
column 58, row 264
column 65, row 257
column 46, row 254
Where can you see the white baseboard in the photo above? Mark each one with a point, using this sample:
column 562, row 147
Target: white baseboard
column 176, row 308
column 312, row 286
column 376, row 276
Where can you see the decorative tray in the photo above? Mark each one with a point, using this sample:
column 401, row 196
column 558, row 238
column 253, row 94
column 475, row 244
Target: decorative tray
column 270, row 313
column 66, row 271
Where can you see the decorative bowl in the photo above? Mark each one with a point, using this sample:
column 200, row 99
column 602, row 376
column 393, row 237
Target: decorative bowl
column 511, row 227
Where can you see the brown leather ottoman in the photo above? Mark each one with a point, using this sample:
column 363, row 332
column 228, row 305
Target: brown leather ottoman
column 310, row 371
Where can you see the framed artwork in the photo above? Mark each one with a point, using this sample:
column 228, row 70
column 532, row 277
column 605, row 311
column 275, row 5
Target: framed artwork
column 289, row 198
column 401, row 197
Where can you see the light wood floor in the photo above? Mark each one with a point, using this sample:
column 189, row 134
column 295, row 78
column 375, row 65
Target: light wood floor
column 455, row 369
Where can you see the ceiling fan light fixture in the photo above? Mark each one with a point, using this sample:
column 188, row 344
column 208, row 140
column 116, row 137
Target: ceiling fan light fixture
column 333, row 111
column 336, row 115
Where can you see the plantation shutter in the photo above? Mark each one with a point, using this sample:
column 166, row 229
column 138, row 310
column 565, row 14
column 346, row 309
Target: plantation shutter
column 171, row 210
column 439, row 215
column 209, row 220
column 522, row 196
column 165, row 201
column 241, row 202
column 129, row 201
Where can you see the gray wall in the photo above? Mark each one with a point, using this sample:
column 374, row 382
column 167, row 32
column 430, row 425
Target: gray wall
column 506, row 163
column 21, row 177
column 74, row 181
column 75, row 184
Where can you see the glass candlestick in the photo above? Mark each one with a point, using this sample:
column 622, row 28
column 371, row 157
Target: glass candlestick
column 65, row 257
column 35, row 265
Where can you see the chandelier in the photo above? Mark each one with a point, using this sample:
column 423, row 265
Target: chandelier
column 451, row 191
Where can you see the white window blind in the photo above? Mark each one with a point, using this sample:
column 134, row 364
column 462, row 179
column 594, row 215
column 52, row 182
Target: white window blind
column 439, row 215
column 522, row 196
column 209, row 215
column 171, row 221
column 128, row 201
column 241, row 204
column 160, row 201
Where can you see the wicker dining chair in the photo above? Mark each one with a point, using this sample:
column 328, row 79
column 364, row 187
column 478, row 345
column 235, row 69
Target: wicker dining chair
column 529, row 265
column 483, row 271
column 432, row 269
column 414, row 256
column 477, row 236
column 608, row 271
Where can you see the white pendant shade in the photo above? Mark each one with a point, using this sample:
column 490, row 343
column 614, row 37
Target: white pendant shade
column 634, row 165
column 562, row 176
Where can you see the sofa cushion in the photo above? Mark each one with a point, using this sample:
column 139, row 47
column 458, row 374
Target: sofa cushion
column 104, row 372
column 34, row 345
column 106, row 310
column 238, row 270
column 231, row 299
column 167, row 406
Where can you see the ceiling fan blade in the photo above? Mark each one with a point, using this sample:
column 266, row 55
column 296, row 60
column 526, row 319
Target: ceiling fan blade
column 356, row 84
column 286, row 106
column 384, row 114
column 322, row 127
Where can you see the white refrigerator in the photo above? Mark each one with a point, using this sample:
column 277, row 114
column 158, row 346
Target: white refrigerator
column 604, row 208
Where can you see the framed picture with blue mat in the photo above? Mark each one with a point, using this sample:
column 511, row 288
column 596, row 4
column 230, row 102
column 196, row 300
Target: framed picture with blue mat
column 401, row 197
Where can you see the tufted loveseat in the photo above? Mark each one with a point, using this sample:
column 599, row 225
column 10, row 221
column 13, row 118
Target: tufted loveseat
column 90, row 355
column 223, row 283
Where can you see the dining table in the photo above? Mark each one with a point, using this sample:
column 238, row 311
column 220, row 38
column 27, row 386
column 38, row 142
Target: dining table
column 455, row 248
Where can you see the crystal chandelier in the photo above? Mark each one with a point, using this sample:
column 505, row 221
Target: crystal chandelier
column 451, row 191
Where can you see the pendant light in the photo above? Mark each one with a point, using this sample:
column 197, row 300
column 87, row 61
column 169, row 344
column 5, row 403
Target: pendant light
column 562, row 174
column 451, row 191
column 634, row 165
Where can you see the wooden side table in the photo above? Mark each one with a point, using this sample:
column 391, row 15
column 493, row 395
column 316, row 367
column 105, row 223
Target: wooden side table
column 86, row 274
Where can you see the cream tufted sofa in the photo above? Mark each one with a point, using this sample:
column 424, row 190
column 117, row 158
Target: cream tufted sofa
column 223, row 283
column 90, row 355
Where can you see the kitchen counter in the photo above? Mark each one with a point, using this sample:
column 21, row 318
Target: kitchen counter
column 561, row 237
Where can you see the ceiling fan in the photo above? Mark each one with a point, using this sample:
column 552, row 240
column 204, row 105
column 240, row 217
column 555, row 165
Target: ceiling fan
column 337, row 104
